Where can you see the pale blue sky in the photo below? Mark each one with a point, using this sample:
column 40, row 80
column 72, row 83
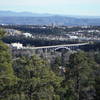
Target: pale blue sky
column 66, row 7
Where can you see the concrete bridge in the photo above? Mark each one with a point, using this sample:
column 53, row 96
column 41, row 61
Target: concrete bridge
column 56, row 47
column 46, row 50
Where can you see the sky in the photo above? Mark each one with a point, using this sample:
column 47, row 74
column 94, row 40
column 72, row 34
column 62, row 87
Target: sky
column 64, row 7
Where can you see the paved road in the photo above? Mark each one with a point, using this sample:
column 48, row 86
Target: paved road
column 55, row 46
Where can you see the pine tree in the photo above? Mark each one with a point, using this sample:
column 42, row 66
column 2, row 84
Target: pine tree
column 79, row 79
column 39, row 81
column 7, row 77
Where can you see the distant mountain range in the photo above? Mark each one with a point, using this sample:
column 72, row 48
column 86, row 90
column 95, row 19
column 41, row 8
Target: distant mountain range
column 22, row 14
column 28, row 18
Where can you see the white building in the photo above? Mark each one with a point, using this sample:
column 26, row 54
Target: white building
column 17, row 45
column 27, row 34
column 73, row 37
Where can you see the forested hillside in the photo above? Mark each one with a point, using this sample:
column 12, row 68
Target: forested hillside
column 33, row 78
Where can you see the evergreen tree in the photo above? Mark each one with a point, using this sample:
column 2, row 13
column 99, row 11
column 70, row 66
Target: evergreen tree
column 79, row 81
column 39, row 81
column 7, row 77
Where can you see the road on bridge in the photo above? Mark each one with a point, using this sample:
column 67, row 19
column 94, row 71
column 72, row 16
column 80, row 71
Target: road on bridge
column 55, row 46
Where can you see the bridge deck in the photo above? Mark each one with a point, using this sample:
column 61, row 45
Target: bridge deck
column 48, row 47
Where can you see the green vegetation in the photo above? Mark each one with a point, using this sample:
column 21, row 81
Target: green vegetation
column 32, row 78
column 2, row 33
column 7, row 77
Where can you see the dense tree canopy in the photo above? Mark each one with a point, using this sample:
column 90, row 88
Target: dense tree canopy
column 7, row 77
column 33, row 78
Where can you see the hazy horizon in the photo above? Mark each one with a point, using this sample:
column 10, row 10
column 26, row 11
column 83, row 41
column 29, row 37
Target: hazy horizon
column 62, row 7
column 51, row 14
